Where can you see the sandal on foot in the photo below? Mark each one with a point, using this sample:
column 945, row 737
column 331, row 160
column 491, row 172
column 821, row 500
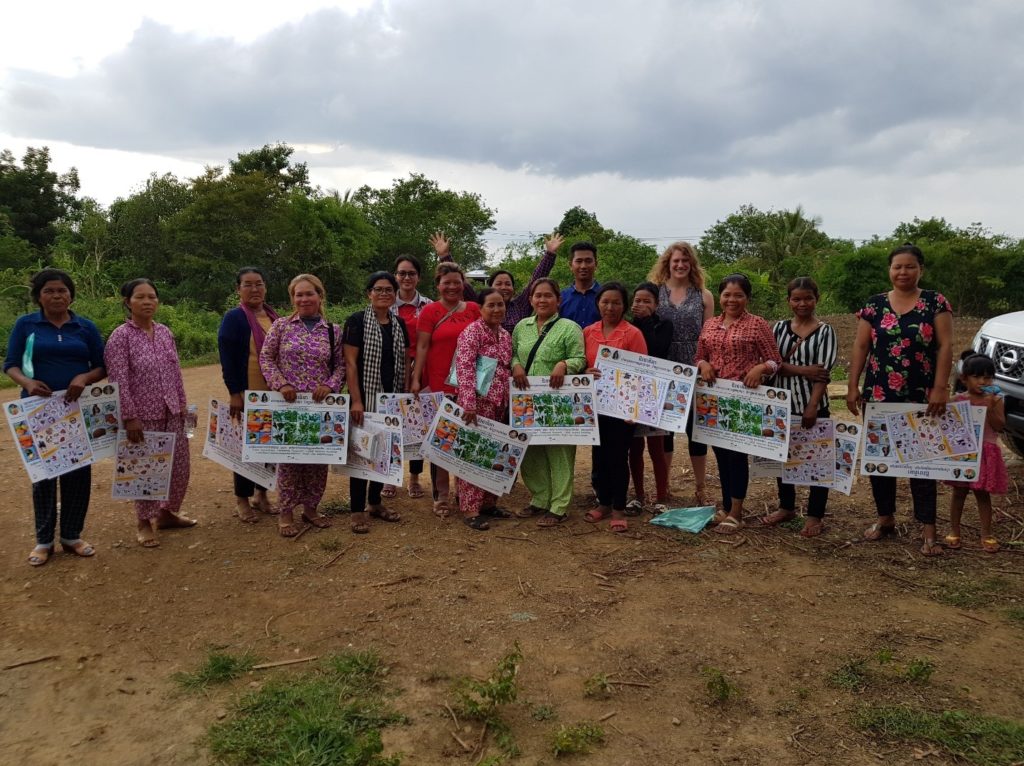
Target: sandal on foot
column 249, row 516
column 360, row 528
column 931, row 549
column 390, row 492
column 265, row 506
column 319, row 521
column 730, row 525
column 288, row 530
column 700, row 498
column 952, row 541
column 385, row 514
column 550, row 519
column 494, row 512
column 530, row 511
column 777, row 517
column 40, row 555
column 595, row 515
column 78, row 547
column 442, row 509
column 147, row 541
column 618, row 525
column 634, row 508
column 176, row 521
column 415, row 491
column 657, row 509
column 812, row 527
column 878, row 531
column 478, row 523
column 990, row 545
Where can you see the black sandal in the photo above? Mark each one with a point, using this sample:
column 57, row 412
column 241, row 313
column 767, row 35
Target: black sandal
column 479, row 523
column 494, row 512
column 549, row 519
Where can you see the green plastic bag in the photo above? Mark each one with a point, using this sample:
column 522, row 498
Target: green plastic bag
column 688, row 519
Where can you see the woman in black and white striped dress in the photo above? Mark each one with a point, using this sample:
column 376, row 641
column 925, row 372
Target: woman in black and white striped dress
column 808, row 349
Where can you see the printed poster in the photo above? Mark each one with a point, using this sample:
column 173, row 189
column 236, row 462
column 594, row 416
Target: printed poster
column 750, row 420
column 54, row 437
column 224, row 446
column 416, row 412
column 918, row 436
column 630, row 387
column 143, row 471
column 487, row 454
column 880, row 457
column 565, row 415
column 302, row 431
column 812, row 462
column 375, row 450
column 849, row 439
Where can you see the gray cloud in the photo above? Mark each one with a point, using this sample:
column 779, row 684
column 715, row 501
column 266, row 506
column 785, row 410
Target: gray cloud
column 645, row 90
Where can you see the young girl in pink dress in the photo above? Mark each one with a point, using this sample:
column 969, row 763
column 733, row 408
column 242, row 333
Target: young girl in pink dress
column 976, row 374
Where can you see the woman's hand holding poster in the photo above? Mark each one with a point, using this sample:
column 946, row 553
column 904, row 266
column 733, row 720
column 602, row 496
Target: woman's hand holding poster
column 565, row 415
column 750, row 420
column 644, row 389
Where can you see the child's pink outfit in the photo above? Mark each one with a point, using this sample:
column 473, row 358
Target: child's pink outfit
column 992, row 477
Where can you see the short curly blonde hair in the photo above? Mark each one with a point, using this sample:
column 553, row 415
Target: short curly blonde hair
column 660, row 271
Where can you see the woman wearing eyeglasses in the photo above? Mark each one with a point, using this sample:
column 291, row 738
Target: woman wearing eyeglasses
column 376, row 362
column 735, row 345
column 240, row 340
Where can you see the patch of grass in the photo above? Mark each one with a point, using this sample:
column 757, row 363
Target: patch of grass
column 334, row 507
column 597, row 686
column 330, row 715
column 852, row 675
column 1015, row 614
column 795, row 524
column 979, row 739
column 719, row 688
column 966, row 593
column 884, row 656
column 218, row 668
column 576, row 739
column 919, row 670
column 483, row 700
column 543, row 713
column 330, row 544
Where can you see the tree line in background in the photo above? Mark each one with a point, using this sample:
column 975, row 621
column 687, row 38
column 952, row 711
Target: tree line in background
column 191, row 235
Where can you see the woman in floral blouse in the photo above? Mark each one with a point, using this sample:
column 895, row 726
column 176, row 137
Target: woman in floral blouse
column 142, row 359
column 484, row 337
column 302, row 352
column 904, row 347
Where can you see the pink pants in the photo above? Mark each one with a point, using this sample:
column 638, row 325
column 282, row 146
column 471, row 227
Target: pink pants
column 300, row 484
column 471, row 497
column 180, row 471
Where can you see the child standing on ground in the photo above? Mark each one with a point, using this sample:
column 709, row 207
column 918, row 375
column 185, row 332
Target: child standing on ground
column 976, row 374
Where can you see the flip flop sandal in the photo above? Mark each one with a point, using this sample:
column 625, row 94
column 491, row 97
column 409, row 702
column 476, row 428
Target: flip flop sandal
column 494, row 512
column 618, row 525
column 812, row 531
column 177, row 522
column 78, row 548
column 319, row 521
column 39, row 555
column 478, row 523
column 385, row 514
column 442, row 509
column 147, row 542
column 877, row 531
column 549, row 519
column 657, row 509
column 416, row 492
column 777, row 517
column 360, row 528
column 594, row 516
column 288, row 530
column 729, row 526
column 931, row 549
column 529, row 512
column 952, row 541
column 252, row 517
column 389, row 492
column 634, row 508
column 990, row 545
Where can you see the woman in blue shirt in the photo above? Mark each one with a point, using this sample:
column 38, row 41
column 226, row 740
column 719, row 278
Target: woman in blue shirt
column 50, row 350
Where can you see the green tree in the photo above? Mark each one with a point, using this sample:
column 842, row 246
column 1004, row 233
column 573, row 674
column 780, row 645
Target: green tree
column 273, row 161
column 83, row 249
column 33, row 197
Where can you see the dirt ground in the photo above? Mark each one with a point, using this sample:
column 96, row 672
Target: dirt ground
column 774, row 612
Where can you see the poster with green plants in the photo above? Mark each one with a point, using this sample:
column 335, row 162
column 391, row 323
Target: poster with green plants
column 565, row 415
column 754, row 421
column 487, row 454
column 303, row 431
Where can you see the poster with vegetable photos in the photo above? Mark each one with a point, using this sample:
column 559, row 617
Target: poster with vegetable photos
column 634, row 386
column 565, row 415
column 487, row 454
column 143, row 471
column 879, row 456
column 750, row 420
column 303, row 431
column 101, row 408
column 375, row 450
column 50, row 435
column 224, row 435
column 809, row 455
column 416, row 412
column 918, row 436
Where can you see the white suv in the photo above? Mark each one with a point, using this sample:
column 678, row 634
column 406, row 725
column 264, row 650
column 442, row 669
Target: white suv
column 1001, row 339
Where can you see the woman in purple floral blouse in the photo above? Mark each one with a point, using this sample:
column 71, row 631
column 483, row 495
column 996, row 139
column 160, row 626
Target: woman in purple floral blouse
column 302, row 352
column 904, row 347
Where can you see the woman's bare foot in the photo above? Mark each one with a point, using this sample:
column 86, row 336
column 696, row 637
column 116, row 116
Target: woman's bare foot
column 812, row 527
column 286, row 526
column 778, row 517
column 168, row 520
column 146, row 533
column 246, row 513
column 263, row 504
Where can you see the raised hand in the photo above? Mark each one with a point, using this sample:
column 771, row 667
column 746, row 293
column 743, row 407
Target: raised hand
column 552, row 243
column 440, row 244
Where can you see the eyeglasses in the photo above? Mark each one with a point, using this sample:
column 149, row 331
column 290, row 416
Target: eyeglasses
column 406, row 274
column 382, row 290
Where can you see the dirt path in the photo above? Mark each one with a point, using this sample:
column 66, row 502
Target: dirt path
column 774, row 612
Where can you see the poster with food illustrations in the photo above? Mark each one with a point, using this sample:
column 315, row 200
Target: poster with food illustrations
column 303, row 431
column 223, row 445
column 565, row 415
column 143, row 471
column 375, row 450
column 633, row 386
column 879, row 456
column 101, row 408
column 487, row 454
column 917, row 436
column 750, row 420
column 416, row 412
column 822, row 456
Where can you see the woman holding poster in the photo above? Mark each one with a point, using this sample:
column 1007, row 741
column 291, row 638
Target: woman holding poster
column 736, row 345
column 143, row 360
column 50, row 350
column 545, row 344
column 303, row 352
column 376, row 362
column 437, row 331
column 612, row 456
column 904, row 348
column 239, row 341
column 483, row 395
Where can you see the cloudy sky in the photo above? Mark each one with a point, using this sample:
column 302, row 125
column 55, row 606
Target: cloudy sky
column 660, row 116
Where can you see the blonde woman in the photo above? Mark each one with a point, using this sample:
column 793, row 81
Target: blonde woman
column 687, row 304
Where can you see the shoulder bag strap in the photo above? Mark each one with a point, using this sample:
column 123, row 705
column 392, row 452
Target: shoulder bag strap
column 540, row 339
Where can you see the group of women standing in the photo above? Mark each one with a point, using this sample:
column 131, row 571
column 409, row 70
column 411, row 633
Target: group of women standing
column 403, row 342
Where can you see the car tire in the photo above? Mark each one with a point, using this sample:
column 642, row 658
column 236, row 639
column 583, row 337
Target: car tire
column 1015, row 443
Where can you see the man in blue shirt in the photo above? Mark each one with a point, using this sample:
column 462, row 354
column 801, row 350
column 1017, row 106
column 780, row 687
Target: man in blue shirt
column 579, row 300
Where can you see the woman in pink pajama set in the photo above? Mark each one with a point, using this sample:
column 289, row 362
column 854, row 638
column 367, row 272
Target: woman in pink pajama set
column 142, row 359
